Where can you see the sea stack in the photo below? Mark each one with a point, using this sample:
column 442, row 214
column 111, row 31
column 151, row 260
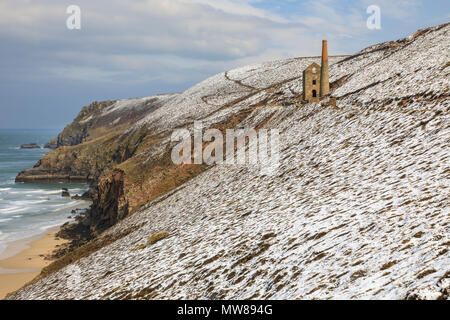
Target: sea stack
column 30, row 146
column 324, row 76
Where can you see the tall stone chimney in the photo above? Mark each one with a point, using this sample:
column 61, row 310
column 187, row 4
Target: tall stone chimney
column 324, row 76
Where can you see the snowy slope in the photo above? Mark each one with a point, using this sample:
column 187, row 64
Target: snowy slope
column 225, row 89
column 359, row 207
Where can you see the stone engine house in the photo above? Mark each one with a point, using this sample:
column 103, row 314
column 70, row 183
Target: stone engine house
column 311, row 83
column 316, row 80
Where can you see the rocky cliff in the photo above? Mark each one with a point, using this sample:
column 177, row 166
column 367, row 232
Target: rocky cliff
column 358, row 207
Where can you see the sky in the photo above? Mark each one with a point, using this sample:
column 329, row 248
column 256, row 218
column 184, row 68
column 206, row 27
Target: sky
column 137, row 48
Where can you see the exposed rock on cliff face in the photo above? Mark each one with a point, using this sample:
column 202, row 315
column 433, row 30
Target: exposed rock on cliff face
column 52, row 144
column 86, row 125
column 358, row 207
column 94, row 142
column 110, row 205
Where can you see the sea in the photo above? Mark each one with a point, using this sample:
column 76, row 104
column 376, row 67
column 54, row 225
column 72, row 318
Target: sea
column 27, row 210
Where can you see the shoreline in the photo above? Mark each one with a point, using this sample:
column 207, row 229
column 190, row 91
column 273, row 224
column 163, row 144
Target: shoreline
column 23, row 260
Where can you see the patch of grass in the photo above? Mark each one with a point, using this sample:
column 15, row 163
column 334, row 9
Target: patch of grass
column 357, row 263
column 268, row 235
column 261, row 249
column 317, row 236
column 357, row 275
column 151, row 240
column 322, row 286
column 319, row 255
column 157, row 237
column 139, row 247
column 426, row 273
column 346, row 144
column 409, row 246
column 446, row 65
column 378, row 291
column 419, row 234
column 388, row 265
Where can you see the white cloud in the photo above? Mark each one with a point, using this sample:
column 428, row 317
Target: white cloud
column 327, row 19
column 147, row 36
column 238, row 7
column 183, row 40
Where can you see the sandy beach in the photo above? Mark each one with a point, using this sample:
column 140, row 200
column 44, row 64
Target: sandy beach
column 23, row 260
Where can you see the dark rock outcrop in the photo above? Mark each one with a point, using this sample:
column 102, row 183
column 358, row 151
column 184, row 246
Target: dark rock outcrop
column 82, row 128
column 30, row 146
column 110, row 204
column 87, row 196
column 52, row 144
column 65, row 193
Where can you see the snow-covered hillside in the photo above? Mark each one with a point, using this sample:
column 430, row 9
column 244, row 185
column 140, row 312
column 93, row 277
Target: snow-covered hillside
column 358, row 208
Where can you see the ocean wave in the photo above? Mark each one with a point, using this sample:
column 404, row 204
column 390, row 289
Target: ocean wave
column 13, row 209
column 67, row 204
column 50, row 226
column 17, row 192
column 28, row 192
column 29, row 202
column 60, row 205
column 38, row 191
column 64, row 209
